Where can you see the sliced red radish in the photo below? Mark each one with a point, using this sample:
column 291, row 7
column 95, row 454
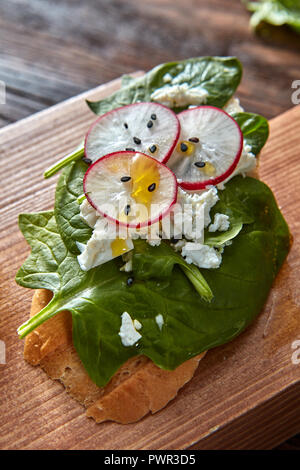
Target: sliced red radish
column 130, row 188
column 209, row 147
column 149, row 128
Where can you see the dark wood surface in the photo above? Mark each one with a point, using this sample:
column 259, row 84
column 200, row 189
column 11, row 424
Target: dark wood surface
column 54, row 49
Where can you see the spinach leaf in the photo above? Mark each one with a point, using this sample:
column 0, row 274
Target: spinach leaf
column 97, row 298
column 126, row 80
column 276, row 12
column 67, row 210
column 255, row 129
column 158, row 262
column 238, row 213
column 219, row 238
column 219, row 76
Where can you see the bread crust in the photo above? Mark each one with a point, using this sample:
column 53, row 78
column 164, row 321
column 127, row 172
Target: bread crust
column 130, row 394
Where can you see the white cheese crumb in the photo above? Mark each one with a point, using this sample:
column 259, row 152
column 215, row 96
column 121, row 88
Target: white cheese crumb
column 155, row 242
column 221, row 223
column 88, row 214
column 128, row 334
column 98, row 248
column 233, row 106
column 179, row 95
column 159, row 320
column 167, row 78
column 137, row 325
column 81, row 246
column 127, row 268
column 208, row 198
column 203, row 256
column 247, row 161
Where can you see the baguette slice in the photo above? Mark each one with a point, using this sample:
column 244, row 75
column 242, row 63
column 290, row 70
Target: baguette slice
column 131, row 393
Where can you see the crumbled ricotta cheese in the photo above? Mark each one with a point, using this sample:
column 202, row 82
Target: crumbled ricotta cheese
column 233, row 106
column 137, row 325
column 98, row 248
column 203, row 256
column 159, row 320
column 167, row 78
column 247, row 161
column 88, row 214
column 246, row 165
column 127, row 258
column 178, row 245
column 128, row 334
column 179, row 95
column 221, row 223
column 206, row 199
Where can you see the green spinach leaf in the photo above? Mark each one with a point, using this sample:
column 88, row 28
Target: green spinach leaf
column 219, row 238
column 158, row 262
column 67, row 210
column 276, row 12
column 219, row 76
column 255, row 129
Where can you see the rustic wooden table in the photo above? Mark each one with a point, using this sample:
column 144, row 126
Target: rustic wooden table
column 52, row 50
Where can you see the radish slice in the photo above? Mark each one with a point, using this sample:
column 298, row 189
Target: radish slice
column 209, row 147
column 149, row 128
column 131, row 189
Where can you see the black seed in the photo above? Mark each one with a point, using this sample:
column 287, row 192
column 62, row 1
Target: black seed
column 174, row 240
column 137, row 140
column 149, row 124
column 151, row 187
column 200, row 164
column 129, row 149
column 152, row 148
column 87, row 160
column 194, row 139
column 124, row 179
column 153, row 116
column 125, row 125
column 129, row 281
column 183, row 147
column 127, row 209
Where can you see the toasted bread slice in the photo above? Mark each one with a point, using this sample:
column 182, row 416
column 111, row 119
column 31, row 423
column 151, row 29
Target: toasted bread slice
column 132, row 392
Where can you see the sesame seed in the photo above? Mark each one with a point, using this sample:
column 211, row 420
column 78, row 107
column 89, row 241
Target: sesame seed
column 127, row 209
column 125, row 125
column 129, row 149
column 129, row 281
column 152, row 148
column 153, row 117
column 183, row 147
column 124, row 179
column 194, row 139
column 137, row 140
column 149, row 124
column 87, row 160
column 200, row 164
column 151, row 187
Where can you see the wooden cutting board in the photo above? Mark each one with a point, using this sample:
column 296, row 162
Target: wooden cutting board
column 244, row 394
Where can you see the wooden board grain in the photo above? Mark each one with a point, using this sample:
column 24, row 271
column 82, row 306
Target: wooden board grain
column 244, row 394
